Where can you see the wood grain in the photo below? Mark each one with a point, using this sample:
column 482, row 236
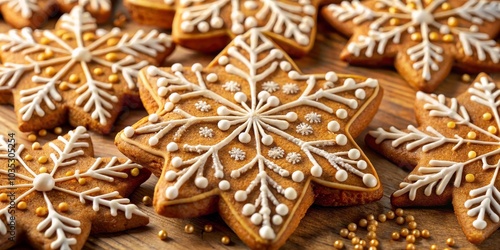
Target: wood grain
column 320, row 227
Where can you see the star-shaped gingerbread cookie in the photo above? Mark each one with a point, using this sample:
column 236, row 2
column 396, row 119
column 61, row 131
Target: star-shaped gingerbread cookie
column 253, row 138
column 456, row 154
column 209, row 25
column 423, row 39
column 53, row 197
column 34, row 13
column 75, row 72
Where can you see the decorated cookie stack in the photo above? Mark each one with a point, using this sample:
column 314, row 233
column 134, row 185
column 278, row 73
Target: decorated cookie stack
column 230, row 125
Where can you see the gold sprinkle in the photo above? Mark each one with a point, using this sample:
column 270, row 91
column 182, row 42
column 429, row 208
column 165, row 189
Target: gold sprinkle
column 400, row 220
column 404, row 232
column 434, row 36
column 410, row 238
column 451, row 124
column 487, row 116
column 416, row 233
column 42, row 170
column 466, row 78
column 63, row 86
column 371, row 228
column 425, row 234
column 44, row 40
column 74, row 78
column 49, row 53
column 492, row 129
column 208, row 228
column 433, row 247
column 225, row 240
column 373, row 222
column 42, row 132
column 63, row 206
column 448, row 38
column 135, row 172
column 363, row 223
column 411, row 5
column 28, row 157
column 416, row 37
column 362, row 243
column 67, row 37
column 113, row 78
column 471, row 154
column 43, row 159
column 412, row 225
column 395, row 236
column 410, row 246
column 147, row 200
column 351, row 235
column 374, row 243
column 344, row 232
column 358, row 247
column 352, row 227
column 31, row 137
column 112, row 57
column 98, row 71
column 69, row 173
column 88, row 36
column 355, row 240
column 59, row 33
column 450, row 242
column 470, row 178
column 394, row 21
column 371, row 235
column 370, row 217
column 338, row 244
column 372, row 248
column 41, row 211
column 50, row 71
column 4, row 197
column 162, row 234
column 36, row 145
column 393, row 10
column 391, row 215
column 471, row 135
column 189, row 228
column 452, row 22
column 112, row 41
column 382, row 217
column 409, row 218
column 82, row 181
column 445, row 6
column 22, row 205
column 58, row 130
column 41, row 57
column 428, row 1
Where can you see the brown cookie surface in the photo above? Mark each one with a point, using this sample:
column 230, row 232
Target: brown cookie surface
column 455, row 155
column 253, row 138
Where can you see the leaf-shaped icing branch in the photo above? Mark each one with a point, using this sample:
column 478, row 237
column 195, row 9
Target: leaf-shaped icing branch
column 72, row 148
column 106, row 173
column 59, row 225
column 487, row 203
column 437, row 107
column 94, row 4
column 9, row 75
column 354, row 10
column 18, row 41
column 26, row 7
column 128, row 66
column 198, row 16
column 482, row 43
column 78, row 21
column 486, row 93
column 425, row 55
column 477, row 10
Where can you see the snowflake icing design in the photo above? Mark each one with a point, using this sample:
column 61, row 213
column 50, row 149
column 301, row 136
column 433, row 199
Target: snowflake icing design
column 255, row 122
column 470, row 131
column 237, row 154
column 431, row 28
column 50, row 62
column 313, row 117
column 270, row 86
column 206, row 132
column 64, row 170
column 25, row 7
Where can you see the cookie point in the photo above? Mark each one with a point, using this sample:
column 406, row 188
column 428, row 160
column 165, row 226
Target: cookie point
column 129, row 131
column 369, row 180
column 267, row 233
column 172, row 192
column 44, row 182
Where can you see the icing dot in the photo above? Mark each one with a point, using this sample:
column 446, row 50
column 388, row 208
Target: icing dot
column 216, row 22
column 212, row 77
column 153, row 118
column 168, row 106
column 267, row 140
column 223, row 60
column 341, row 139
column 492, row 129
column 362, row 164
column 267, row 233
column 411, row 30
column 256, row 219
column 277, row 220
column 487, row 116
column 298, row 176
column 222, row 110
column 153, row 141
column 451, row 124
column 471, row 135
column 316, row 171
column 248, row 209
column 360, row 94
column 129, row 131
column 172, row 147
column 479, row 224
column 187, row 26
column 250, row 5
column 472, row 154
column 240, row 97
column 172, row 192
column 309, row 9
column 177, row 67
column 250, row 22
column 244, row 137
column 263, row 95
column 331, row 76
column 176, row 162
column 285, row 66
column 240, row 195
column 353, row 154
column 237, row 28
column 291, row 116
column 474, row 28
column 341, row 113
column 304, row 27
column 341, row 175
column 273, row 101
column 444, row 29
column 470, row 178
column 201, row 182
column 223, row 125
column 290, row 193
column 162, row 91
column 170, row 175
column 224, row 185
column 174, row 97
column 43, row 182
column 196, row 67
column 282, row 209
column 369, row 180
column 333, row 126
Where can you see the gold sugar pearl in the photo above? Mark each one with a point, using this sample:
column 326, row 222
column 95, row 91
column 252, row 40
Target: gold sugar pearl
column 410, row 246
column 41, row 57
column 225, row 240
column 88, row 36
column 49, row 53
column 371, row 235
column 434, row 36
column 373, row 222
column 416, row 233
column 370, row 217
column 344, row 232
column 59, row 33
column 189, row 228
column 135, row 172
column 63, row 206
column 338, row 244
column 113, row 78
column 74, row 78
column 112, row 41
column 28, row 157
column 411, row 5
column 58, row 130
column 355, row 240
column 358, row 247
column 382, row 217
column 471, row 135
column 472, row 154
column 22, row 205
column 42, row 170
column 393, row 10
column 98, row 72
column 32, row 137
column 63, row 86
column 162, row 234
column 351, row 235
column 147, row 200
column 391, row 215
column 42, row 132
column 416, row 37
column 4, row 197
column 112, row 57
column 352, row 227
column 409, row 218
column 44, row 40
column 362, row 242
column 372, row 248
column 448, row 38
column 450, row 242
column 42, row 159
column 208, row 228
column 428, row 1
column 470, row 178
column 451, row 124
column 487, row 116
column 404, row 232
column 425, row 234
column 36, row 145
column 41, row 211
column 371, row 228
column 67, row 37
column 412, row 225
column 410, row 238
column 374, row 243
column 400, row 212
column 395, row 236
column 363, row 223
column 50, row 71
column 445, row 6
column 466, row 78
column 452, row 21
column 400, row 220
column 82, row 181
column 492, row 129
column 394, row 21
column 433, row 247
column 69, row 173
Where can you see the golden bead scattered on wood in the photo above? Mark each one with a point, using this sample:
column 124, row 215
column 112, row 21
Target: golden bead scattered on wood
column 425, row 234
column 4, row 197
column 42, row 132
column 146, row 200
column 358, row 247
column 412, row 225
column 43, row 159
column 189, row 228
column 351, row 235
column 352, row 227
column 344, row 232
column 395, row 236
column 400, row 212
column 42, row 170
column 208, row 228
column 372, row 228
column 382, row 217
column 363, row 223
column 32, row 137
column 409, row 218
column 373, row 222
column 391, row 215
column 404, row 232
column 400, row 220
column 450, row 242
column 410, row 238
column 370, row 217
column 63, row 206
column 470, row 178
column 371, row 235
column 466, row 78
column 22, row 205
column 374, row 243
column 355, row 240
column 433, row 247
column 225, row 240
column 410, row 246
column 338, row 244
column 162, row 234
column 416, row 233
column 41, row 211
column 362, row 243
column 58, row 130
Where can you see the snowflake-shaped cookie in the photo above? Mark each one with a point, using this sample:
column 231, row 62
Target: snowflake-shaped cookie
column 424, row 39
column 56, row 195
column 456, row 152
column 33, row 13
column 257, row 161
column 75, row 71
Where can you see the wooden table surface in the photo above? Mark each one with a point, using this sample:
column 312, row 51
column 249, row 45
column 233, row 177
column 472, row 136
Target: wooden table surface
column 320, row 227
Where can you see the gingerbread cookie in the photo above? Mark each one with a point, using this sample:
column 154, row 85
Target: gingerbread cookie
column 53, row 197
column 75, row 72
column 253, row 138
column 34, row 13
column 158, row 13
column 455, row 154
column 423, row 39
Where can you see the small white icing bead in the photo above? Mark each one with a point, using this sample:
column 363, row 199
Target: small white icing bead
column 219, row 175
column 267, row 140
column 237, row 28
column 240, row 195
column 256, row 219
column 273, row 101
column 290, row 193
column 153, row 118
column 282, row 209
column 333, row 126
column 43, row 182
column 223, row 60
column 216, row 22
column 341, row 175
column 203, row 26
column 196, row 67
column 298, row 176
column 250, row 22
column 360, row 94
column 309, row 9
column 162, row 91
column 369, row 180
column 129, row 131
column 172, row 192
column 224, row 185
column 212, row 77
column 263, row 95
column 177, row 67
column 331, row 76
column 304, row 27
column 201, row 182
column 152, row 71
column 248, row 209
column 250, row 5
column 168, row 106
column 235, row 174
column 277, row 220
column 240, row 97
column 153, row 141
column 291, row 116
column 244, row 137
column 341, row 139
column 162, row 82
column 172, row 147
column 222, row 110
column 341, row 113
column 353, row 154
column 362, row 164
column 316, row 171
column 176, row 162
column 265, row 211
column 223, row 125
column 175, row 98
column 187, row 26
column 170, row 175
column 285, row 66
column 266, row 232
